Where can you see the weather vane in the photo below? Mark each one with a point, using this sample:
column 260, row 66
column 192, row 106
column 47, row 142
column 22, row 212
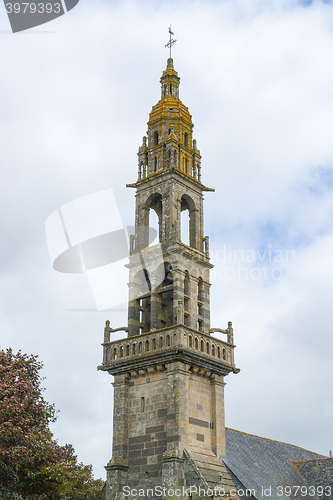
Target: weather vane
column 171, row 42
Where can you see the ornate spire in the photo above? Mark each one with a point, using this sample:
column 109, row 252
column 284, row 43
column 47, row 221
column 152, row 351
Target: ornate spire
column 170, row 81
column 170, row 144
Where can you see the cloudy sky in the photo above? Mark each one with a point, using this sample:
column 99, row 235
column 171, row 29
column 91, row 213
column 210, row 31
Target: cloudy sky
column 257, row 76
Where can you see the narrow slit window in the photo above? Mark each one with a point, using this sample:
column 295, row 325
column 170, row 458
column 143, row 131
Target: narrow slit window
column 142, row 404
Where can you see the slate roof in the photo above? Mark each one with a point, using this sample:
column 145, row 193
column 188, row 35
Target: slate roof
column 211, row 469
column 258, row 463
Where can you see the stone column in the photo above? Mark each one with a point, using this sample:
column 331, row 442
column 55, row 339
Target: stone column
column 177, row 424
column 141, row 222
column 135, row 286
column 120, row 420
column 193, row 305
column 116, row 479
column 133, row 316
column 200, row 226
column 178, row 406
column 218, row 432
column 178, row 297
column 205, row 307
column 173, row 474
column 230, row 331
column 154, row 310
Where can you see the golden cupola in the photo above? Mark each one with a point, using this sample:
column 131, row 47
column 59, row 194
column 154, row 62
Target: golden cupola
column 169, row 144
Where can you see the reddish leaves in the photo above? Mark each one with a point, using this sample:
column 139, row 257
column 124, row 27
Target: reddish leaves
column 32, row 464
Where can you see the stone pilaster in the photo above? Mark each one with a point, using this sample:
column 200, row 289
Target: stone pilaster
column 178, row 407
column 178, row 297
column 133, row 316
column 193, row 302
column 173, row 473
column 206, row 307
column 120, row 420
column 154, row 310
column 218, row 432
column 116, row 480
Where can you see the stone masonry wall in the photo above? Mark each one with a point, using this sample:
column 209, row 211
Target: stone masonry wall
column 200, row 412
column 147, row 416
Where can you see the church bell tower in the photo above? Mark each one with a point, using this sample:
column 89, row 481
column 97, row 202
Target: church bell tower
column 168, row 421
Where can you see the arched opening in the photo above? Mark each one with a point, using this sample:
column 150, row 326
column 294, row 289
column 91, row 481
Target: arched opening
column 188, row 221
column 140, row 307
column 146, row 231
column 186, row 140
column 194, row 169
column 155, row 226
column 155, row 165
column 170, row 89
column 155, row 138
column 185, row 222
column 141, row 283
column 154, row 205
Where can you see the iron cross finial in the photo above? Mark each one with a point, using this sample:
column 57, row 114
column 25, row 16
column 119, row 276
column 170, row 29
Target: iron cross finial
column 171, row 42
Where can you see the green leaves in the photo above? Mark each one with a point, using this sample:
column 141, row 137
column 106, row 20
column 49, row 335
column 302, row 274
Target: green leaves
column 32, row 464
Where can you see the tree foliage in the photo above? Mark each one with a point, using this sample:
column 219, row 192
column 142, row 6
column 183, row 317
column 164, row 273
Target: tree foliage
column 32, row 464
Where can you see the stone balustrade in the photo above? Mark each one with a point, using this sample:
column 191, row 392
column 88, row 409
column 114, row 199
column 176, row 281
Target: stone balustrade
column 168, row 338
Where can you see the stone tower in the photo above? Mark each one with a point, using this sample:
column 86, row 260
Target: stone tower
column 168, row 422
